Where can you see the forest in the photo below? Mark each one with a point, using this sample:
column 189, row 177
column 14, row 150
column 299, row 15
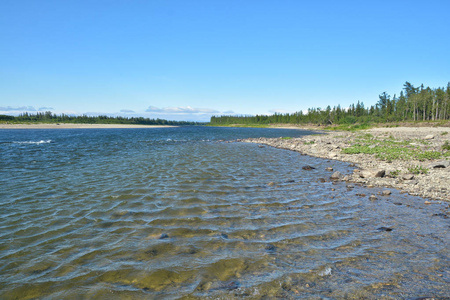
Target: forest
column 49, row 117
column 412, row 104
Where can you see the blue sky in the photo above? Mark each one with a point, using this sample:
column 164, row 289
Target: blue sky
column 188, row 60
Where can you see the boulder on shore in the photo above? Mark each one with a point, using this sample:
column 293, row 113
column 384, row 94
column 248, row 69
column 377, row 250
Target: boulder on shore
column 336, row 176
column 372, row 173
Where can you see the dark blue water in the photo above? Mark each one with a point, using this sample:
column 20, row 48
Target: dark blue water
column 180, row 212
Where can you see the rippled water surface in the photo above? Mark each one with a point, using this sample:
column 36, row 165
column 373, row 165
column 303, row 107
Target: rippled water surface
column 179, row 213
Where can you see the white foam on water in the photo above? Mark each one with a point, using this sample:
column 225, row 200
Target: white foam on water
column 35, row 143
column 325, row 272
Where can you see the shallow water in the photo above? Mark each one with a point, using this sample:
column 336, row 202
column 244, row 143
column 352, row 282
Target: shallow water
column 178, row 213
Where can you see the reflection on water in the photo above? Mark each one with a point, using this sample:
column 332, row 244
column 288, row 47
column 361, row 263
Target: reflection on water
column 177, row 213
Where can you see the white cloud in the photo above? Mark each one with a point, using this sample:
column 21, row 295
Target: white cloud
column 45, row 108
column 127, row 111
column 17, row 109
column 181, row 110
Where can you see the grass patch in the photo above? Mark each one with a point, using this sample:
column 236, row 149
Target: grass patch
column 395, row 173
column 286, row 138
column 444, row 133
column 354, row 127
column 417, row 170
column 446, row 146
column 390, row 149
column 308, row 143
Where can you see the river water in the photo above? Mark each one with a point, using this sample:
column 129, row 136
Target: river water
column 181, row 213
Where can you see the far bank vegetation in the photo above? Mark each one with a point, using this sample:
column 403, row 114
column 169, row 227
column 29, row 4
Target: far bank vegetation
column 412, row 104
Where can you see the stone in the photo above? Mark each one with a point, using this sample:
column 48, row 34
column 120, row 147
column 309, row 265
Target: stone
column 386, row 192
column 373, row 197
column 346, row 178
column 384, row 228
column 439, row 164
column 429, row 137
column 408, row 176
column 336, row 176
column 330, row 169
column 372, row 173
column 308, row 168
column 164, row 236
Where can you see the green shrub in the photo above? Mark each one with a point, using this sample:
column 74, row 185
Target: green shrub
column 446, row 146
column 418, row 170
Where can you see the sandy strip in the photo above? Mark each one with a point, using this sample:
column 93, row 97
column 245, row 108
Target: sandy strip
column 77, row 126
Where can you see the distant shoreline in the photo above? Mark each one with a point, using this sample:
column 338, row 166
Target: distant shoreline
column 77, row 126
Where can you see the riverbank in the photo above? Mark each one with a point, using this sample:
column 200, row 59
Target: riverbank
column 76, row 126
column 415, row 160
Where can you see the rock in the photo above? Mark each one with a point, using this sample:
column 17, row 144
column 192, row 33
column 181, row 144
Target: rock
column 384, row 229
column 372, row 173
column 336, row 176
column 429, row 137
column 308, row 168
column 270, row 248
column 329, row 169
column 332, row 155
column 386, row 192
column 408, row 177
column 321, row 179
column 439, row 164
column 427, row 202
column 373, row 197
column 361, row 195
column 164, row 236
column 346, row 178
column 271, row 183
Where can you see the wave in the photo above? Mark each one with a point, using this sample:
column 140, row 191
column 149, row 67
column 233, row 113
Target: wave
column 33, row 142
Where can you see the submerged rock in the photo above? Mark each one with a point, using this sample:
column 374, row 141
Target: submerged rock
column 308, row 168
column 164, row 236
column 386, row 192
column 384, row 228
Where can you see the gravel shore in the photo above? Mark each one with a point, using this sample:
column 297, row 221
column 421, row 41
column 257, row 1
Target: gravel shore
column 415, row 160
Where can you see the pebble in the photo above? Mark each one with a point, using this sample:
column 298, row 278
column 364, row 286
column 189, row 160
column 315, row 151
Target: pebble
column 373, row 197
column 308, row 168
column 384, row 229
column 164, row 236
column 386, row 192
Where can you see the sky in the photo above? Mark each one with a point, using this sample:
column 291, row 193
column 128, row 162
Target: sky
column 188, row 60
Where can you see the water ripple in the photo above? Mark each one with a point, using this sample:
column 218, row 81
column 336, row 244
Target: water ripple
column 148, row 214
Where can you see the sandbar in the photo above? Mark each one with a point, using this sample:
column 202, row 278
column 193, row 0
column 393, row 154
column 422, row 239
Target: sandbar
column 77, row 126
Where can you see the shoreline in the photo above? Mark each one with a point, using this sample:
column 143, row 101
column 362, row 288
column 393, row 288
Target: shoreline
column 77, row 126
column 417, row 176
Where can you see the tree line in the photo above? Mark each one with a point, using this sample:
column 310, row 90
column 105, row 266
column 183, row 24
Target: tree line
column 412, row 104
column 49, row 117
